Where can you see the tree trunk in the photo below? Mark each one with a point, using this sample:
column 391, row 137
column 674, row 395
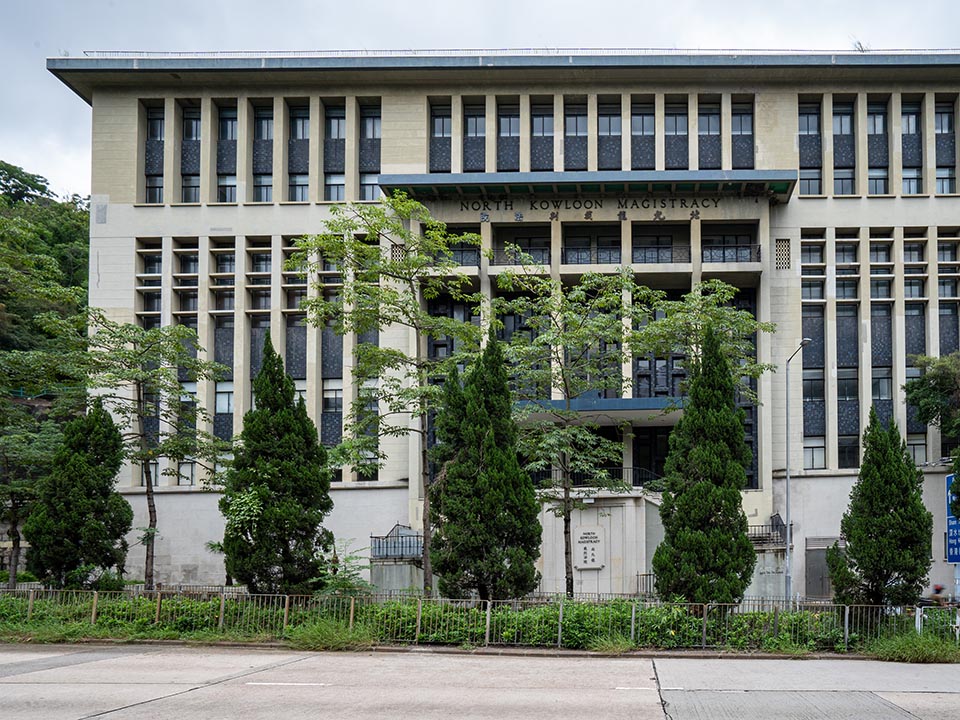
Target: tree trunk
column 14, row 534
column 148, row 541
column 567, row 540
column 427, row 527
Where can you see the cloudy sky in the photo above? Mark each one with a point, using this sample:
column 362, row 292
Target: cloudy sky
column 45, row 128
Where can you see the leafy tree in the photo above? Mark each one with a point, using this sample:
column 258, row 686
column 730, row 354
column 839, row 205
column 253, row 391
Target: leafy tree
column 487, row 533
column 706, row 555
column 18, row 185
column 137, row 374
column 77, row 527
column 276, row 494
column 886, row 527
column 564, row 344
column 392, row 260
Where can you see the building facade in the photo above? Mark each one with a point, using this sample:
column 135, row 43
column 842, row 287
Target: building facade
column 822, row 185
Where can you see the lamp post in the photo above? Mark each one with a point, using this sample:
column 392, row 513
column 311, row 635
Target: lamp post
column 788, row 579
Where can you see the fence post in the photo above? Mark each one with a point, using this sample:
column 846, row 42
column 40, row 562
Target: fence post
column 156, row 618
column 846, row 628
column 416, row 636
column 703, row 630
column 633, row 622
column 353, row 601
column 33, row 594
column 486, row 631
column 93, row 610
column 560, row 627
column 918, row 620
column 223, row 602
column 776, row 621
column 286, row 611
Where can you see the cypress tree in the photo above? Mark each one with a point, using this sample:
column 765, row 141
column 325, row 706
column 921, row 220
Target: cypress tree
column 77, row 527
column 886, row 526
column 276, row 494
column 485, row 510
column 706, row 555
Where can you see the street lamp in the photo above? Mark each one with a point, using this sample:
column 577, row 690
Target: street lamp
column 788, row 580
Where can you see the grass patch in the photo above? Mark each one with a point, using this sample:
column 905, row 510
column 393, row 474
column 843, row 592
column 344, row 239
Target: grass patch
column 613, row 645
column 329, row 635
column 913, row 648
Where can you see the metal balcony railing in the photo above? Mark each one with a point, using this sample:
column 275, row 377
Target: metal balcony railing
column 648, row 254
column 396, row 547
column 731, row 253
column 588, row 256
column 634, row 477
column 505, row 256
column 774, row 535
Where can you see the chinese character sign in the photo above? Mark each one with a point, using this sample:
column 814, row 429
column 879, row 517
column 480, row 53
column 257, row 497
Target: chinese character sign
column 953, row 527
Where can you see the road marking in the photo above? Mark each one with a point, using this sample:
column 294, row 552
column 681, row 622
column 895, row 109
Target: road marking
column 634, row 688
column 290, row 684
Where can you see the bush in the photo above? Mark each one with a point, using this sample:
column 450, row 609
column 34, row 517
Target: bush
column 25, row 576
column 913, row 648
column 330, row 635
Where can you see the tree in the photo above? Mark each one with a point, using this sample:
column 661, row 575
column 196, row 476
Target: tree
column 276, row 493
column 935, row 395
column 77, row 527
column 137, row 374
column 487, row 533
column 394, row 261
column 566, row 344
column 706, row 555
column 886, row 527
column 18, row 185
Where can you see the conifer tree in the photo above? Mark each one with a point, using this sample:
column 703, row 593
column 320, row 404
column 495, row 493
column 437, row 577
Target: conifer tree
column 487, row 531
column 77, row 527
column 886, row 527
column 706, row 555
column 276, row 494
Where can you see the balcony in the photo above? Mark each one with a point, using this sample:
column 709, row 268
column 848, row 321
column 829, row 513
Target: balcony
column 401, row 543
column 731, row 253
column 632, row 476
column 769, row 536
column 652, row 254
column 511, row 256
column 603, row 255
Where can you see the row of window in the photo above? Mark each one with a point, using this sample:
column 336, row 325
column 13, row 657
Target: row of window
column 843, row 118
column 848, row 451
column 878, row 181
column 880, row 252
column 298, row 188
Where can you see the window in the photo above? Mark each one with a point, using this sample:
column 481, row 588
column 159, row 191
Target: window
column 913, row 252
column 675, row 120
column 847, row 289
column 910, row 118
column 813, row 385
column 154, row 189
column 299, row 123
column 848, row 385
column 848, row 451
column 336, row 123
column 917, row 448
column 260, row 262
column 814, row 453
column 812, row 254
column 441, row 125
column 812, row 290
column 370, row 187
column 843, row 182
column 189, row 264
column 263, row 188
column 186, row 473
column 876, row 119
column 188, row 301
column 843, row 119
column 191, row 124
column 877, row 181
column 225, row 300
column 190, row 189
column 154, row 123
column 575, row 121
column 882, row 383
column 879, row 252
column 708, row 120
column 260, row 300
column 642, row 120
column 151, row 302
column 300, row 388
column 295, row 299
column 946, row 252
column 299, row 188
column 370, row 124
column 810, row 119
column 947, row 288
column 880, row 289
column 227, row 188
column 846, row 253
column 333, row 396
column 946, row 181
column 508, row 121
column 742, row 120
column 475, row 123
column 334, row 187
column 541, row 122
column 263, row 124
column 913, row 288
column 912, row 180
column 609, row 122
column 152, row 264
column 223, row 400
column 943, row 120
column 228, row 124
column 226, row 263
column 154, row 470
column 810, row 182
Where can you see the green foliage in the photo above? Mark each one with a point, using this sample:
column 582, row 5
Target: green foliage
column 914, row 648
column 77, row 527
column 485, row 510
column 326, row 634
column 341, row 574
column 886, row 527
column 706, row 555
column 276, row 494
column 19, row 186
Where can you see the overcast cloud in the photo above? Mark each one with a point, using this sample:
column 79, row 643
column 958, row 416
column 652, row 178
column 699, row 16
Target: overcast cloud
column 45, row 128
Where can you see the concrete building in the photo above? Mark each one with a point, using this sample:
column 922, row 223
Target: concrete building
column 823, row 185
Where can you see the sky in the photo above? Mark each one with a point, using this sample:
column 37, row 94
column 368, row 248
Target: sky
column 45, row 128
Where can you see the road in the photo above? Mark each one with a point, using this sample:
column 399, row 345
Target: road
column 53, row 683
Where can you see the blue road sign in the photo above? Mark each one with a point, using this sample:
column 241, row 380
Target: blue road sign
column 953, row 528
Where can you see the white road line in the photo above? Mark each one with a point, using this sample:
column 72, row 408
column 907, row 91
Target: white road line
column 635, row 688
column 290, row 684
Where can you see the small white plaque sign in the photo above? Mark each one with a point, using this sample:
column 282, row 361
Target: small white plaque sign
column 589, row 548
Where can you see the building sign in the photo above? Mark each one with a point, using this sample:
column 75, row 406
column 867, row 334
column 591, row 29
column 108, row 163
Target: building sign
column 953, row 527
column 589, row 548
column 576, row 204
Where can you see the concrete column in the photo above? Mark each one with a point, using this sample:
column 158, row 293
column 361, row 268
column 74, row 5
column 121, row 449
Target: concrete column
column 456, row 134
column 278, row 325
column 693, row 132
column 933, row 325
column 830, row 349
column 281, row 132
column 899, row 334
column 558, row 133
column 314, row 394
column 208, row 150
column 626, row 137
column 524, row 133
column 726, row 131
column 352, row 150
column 241, row 338
column 895, row 151
column 860, row 128
column 866, row 357
column 659, row 124
column 167, row 299
column 244, row 157
column 927, row 117
column 492, row 135
column 764, row 355
column 205, row 325
column 172, row 135
column 556, row 245
column 696, row 255
column 593, row 131
column 826, row 136
column 315, row 192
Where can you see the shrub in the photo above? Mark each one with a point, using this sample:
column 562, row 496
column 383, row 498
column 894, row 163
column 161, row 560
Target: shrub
column 330, row 635
column 913, row 648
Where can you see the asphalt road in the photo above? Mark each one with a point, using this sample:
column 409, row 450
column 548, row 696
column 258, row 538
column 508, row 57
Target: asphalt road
column 50, row 683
